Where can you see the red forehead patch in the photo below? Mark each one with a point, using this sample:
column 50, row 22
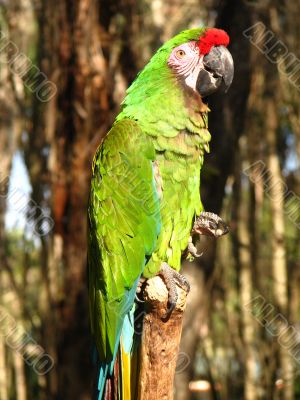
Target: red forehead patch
column 212, row 37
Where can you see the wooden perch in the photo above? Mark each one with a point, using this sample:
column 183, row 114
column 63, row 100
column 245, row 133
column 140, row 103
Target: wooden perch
column 160, row 342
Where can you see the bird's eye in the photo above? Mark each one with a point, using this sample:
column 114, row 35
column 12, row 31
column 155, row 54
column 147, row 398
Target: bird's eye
column 180, row 53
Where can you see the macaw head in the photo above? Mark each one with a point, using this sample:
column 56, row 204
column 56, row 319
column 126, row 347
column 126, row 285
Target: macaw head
column 203, row 63
column 195, row 59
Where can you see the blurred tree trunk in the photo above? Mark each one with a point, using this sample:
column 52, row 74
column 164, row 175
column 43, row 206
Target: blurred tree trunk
column 4, row 384
column 276, row 190
column 290, row 92
column 19, row 368
column 67, row 128
column 244, row 259
column 11, row 125
column 255, row 151
column 279, row 267
column 4, row 365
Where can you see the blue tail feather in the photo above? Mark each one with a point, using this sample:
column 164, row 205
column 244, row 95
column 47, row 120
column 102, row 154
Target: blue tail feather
column 127, row 331
column 102, row 378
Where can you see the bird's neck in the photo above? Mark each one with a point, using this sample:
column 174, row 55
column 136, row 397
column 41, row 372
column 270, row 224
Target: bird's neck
column 165, row 108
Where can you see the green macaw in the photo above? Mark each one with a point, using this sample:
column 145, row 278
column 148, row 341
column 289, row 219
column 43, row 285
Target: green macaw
column 145, row 189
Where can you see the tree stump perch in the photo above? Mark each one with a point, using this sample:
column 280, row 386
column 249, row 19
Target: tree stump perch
column 160, row 341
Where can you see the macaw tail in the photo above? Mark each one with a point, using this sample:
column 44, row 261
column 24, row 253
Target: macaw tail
column 117, row 379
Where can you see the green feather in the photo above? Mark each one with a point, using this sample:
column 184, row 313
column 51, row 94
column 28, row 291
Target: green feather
column 124, row 222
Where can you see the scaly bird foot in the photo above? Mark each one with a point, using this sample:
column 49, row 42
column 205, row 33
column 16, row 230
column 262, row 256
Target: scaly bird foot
column 170, row 277
column 210, row 224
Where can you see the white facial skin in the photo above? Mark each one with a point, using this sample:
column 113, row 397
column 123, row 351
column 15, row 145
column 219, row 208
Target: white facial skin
column 186, row 62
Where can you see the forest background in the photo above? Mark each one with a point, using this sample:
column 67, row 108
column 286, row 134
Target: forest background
column 64, row 69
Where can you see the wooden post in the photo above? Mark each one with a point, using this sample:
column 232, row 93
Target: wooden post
column 160, row 342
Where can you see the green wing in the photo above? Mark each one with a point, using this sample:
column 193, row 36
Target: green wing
column 124, row 222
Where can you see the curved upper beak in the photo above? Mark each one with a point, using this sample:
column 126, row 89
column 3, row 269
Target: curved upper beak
column 217, row 73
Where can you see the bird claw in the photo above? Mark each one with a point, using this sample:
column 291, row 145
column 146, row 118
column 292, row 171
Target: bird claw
column 170, row 277
column 210, row 224
column 139, row 290
column 192, row 250
column 138, row 300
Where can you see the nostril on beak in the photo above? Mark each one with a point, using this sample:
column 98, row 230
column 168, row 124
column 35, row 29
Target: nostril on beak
column 214, row 74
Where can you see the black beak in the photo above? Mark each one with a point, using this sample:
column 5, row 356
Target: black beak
column 217, row 73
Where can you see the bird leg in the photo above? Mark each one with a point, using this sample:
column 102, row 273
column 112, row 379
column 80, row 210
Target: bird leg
column 171, row 277
column 208, row 224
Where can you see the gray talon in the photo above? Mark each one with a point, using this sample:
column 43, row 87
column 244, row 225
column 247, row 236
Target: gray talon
column 171, row 306
column 170, row 276
column 139, row 290
column 139, row 300
column 192, row 249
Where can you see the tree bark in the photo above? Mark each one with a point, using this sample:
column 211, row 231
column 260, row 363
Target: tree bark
column 160, row 342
